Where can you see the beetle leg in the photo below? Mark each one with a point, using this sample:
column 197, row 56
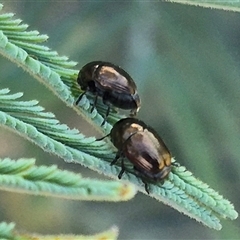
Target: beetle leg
column 133, row 113
column 104, row 120
column 107, row 113
column 138, row 174
column 106, row 102
column 118, row 155
column 122, row 170
column 80, row 97
column 146, row 186
column 94, row 104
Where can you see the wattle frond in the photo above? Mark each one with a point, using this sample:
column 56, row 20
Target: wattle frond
column 181, row 190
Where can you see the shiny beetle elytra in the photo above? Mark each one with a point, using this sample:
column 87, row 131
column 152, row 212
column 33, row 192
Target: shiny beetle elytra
column 144, row 149
column 110, row 82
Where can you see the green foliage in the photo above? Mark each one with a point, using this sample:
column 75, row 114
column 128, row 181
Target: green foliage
column 7, row 232
column 219, row 4
column 23, row 176
column 181, row 190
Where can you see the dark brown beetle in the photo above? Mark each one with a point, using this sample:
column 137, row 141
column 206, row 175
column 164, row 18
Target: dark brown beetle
column 144, row 149
column 110, row 82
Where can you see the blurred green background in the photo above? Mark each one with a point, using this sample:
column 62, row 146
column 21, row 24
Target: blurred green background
column 185, row 61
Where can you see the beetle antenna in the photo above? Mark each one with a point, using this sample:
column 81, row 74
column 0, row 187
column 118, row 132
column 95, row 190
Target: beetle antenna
column 99, row 139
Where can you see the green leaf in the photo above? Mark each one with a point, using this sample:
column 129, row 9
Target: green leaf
column 22, row 47
column 8, row 232
column 229, row 5
column 24, row 177
column 181, row 190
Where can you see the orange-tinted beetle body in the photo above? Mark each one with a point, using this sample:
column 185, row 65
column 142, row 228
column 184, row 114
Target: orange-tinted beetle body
column 144, row 149
column 110, row 82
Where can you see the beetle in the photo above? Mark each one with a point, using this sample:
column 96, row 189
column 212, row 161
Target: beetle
column 110, row 82
column 143, row 147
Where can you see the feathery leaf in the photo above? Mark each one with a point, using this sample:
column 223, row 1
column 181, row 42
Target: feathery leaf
column 181, row 190
column 230, row 5
column 23, row 176
column 8, row 232
column 22, row 47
